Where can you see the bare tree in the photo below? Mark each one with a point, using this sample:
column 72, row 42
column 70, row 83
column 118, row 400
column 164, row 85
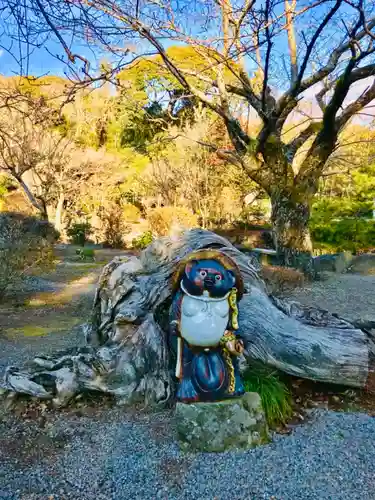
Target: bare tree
column 80, row 174
column 27, row 143
column 187, row 174
column 271, row 56
column 49, row 168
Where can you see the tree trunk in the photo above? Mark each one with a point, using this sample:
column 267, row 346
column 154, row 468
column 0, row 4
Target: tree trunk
column 128, row 327
column 290, row 222
column 59, row 212
column 31, row 198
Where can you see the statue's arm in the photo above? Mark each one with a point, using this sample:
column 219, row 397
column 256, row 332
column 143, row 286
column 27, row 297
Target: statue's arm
column 175, row 314
column 232, row 338
column 174, row 331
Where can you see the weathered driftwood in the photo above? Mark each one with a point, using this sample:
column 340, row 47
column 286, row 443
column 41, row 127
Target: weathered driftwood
column 127, row 353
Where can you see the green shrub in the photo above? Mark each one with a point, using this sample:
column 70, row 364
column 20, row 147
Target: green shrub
column 340, row 224
column 26, row 225
column 26, row 243
column 85, row 253
column 351, row 234
column 79, row 232
column 142, row 241
column 337, row 208
column 275, row 396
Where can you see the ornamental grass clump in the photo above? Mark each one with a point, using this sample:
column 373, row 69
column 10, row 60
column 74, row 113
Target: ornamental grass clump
column 275, row 396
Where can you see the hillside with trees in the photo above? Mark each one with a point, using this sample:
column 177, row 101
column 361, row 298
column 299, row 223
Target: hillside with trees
column 264, row 120
column 128, row 166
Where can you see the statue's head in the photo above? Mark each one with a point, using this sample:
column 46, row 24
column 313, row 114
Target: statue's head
column 208, row 271
column 208, row 275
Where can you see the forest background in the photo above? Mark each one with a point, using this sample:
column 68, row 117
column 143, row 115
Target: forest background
column 129, row 153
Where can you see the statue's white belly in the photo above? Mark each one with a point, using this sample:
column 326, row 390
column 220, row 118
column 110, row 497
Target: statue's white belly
column 204, row 320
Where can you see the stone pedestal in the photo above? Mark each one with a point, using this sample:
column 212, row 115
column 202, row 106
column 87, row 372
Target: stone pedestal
column 237, row 423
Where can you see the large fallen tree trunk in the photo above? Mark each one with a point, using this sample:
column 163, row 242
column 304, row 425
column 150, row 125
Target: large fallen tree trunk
column 127, row 353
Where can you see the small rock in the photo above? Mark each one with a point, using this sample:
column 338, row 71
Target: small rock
column 237, row 423
column 314, row 404
column 338, row 262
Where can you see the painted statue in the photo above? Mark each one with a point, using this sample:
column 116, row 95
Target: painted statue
column 203, row 323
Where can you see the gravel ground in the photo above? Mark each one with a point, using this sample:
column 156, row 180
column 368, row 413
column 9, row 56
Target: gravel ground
column 108, row 453
column 16, row 352
column 351, row 296
column 34, row 284
column 59, row 323
column 329, row 457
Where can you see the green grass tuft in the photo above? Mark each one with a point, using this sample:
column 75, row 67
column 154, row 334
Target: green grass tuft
column 85, row 253
column 275, row 396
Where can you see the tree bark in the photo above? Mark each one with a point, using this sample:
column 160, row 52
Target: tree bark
column 128, row 328
column 290, row 221
column 32, row 199
column 59, row 212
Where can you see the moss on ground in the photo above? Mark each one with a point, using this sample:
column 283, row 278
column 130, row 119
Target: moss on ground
column 31, row 330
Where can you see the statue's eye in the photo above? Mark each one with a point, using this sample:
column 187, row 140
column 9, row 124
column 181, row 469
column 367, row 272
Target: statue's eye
column 203, row 274
column 218, row 277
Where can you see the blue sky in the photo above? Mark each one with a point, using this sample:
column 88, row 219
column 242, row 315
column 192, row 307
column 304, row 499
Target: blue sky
column 45, row 60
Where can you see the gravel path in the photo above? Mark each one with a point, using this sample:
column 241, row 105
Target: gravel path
column 16, row 352
column 330, row 457
column 351, row 296
column 68, row 305
column 100, row 453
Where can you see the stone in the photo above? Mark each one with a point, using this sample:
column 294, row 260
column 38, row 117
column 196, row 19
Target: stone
column 265, row 256
column 343, row 261
column 237, row 423
column 338, row 262
column 7, row 400
column 363, row 264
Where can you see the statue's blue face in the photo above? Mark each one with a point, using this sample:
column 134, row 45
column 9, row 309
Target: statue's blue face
column 210, row 275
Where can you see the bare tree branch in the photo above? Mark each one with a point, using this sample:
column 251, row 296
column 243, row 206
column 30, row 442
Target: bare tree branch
column 356, row 106
column 290, row 9
column 356, row 75
column 332, row 61
column 296, row 88
column 367, row 26
column 300, row 140
column 288, row 102
column 268, row 55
